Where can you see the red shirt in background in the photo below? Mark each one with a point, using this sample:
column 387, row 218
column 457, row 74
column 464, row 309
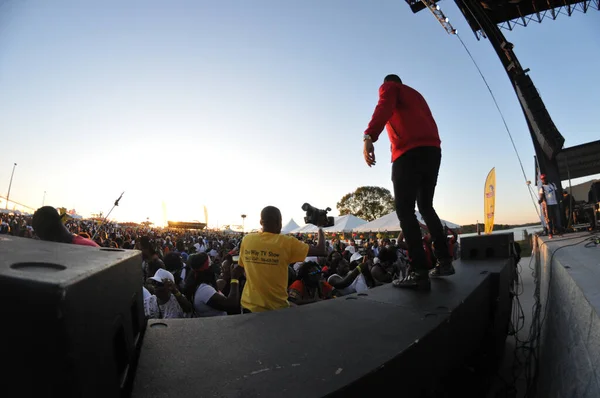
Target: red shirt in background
column 297, row 290
column 407, row 118
column 79, row 240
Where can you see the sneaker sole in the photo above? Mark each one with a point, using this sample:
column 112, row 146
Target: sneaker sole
column 442, row 274
column 423, row 286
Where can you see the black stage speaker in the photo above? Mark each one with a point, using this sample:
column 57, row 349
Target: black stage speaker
column 483, row 247
column 73, row 319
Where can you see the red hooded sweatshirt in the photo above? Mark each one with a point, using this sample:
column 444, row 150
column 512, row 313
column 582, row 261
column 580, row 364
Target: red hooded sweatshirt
column 407, row 118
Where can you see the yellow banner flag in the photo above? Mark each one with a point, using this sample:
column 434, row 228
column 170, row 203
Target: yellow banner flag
column 489, row 201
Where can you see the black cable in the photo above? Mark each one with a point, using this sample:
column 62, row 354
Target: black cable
column 551, row 272
column 517, row 322
column 591, row 244
column 502, row 117
column 526, row 351
column 570, row 192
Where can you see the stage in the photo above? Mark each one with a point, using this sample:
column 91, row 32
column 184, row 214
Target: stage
column 569, row 282
column 351, row 346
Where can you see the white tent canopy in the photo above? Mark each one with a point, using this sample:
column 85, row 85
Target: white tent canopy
column 341, row 224
column 307, row 229
column 289, row 227
column 345, row 223
column 391, row 223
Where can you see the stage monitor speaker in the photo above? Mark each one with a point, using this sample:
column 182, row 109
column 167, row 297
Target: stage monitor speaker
column 483, row 247
column 73, row 319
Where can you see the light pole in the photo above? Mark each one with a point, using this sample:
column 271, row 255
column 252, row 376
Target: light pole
column 10, row 184
column 44, row 199
column 243, row 222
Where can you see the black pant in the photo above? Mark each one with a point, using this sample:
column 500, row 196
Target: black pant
column 414, row 175
column 553, row 219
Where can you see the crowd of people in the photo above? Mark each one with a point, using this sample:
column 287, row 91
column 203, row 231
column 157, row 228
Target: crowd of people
column 189, row 274
column 197, row 274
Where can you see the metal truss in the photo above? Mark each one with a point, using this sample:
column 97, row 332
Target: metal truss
column 553, row 13
column 439, row 15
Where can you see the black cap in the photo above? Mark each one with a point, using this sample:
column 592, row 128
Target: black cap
column 46, row 221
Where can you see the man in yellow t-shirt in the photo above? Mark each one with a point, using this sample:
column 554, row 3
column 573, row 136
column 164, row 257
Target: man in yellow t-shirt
column 265, row 257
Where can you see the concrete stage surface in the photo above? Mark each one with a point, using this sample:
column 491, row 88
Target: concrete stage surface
column 569, row 282
column 388, row 340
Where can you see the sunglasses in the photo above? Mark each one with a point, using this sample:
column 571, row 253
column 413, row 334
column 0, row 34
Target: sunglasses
column 158, row 284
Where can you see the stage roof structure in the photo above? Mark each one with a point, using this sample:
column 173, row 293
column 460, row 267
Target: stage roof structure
column 486, row 18
column 185, row 225
column 508, row 14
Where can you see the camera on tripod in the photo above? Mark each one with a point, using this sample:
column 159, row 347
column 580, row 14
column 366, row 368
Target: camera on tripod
column 317, row 217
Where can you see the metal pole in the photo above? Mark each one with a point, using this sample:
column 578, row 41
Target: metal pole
column 106, row 218
column 44, row 199
column 10, row 184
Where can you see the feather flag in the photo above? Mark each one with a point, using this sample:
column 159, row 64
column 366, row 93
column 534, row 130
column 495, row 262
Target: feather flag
column 489, row 200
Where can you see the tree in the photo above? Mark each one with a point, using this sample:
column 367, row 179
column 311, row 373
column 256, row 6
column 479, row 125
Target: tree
column 368, row 203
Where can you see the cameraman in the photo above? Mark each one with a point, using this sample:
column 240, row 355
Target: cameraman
column 265, row 257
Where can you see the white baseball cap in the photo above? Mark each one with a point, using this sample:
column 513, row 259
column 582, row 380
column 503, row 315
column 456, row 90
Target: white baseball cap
column 163, row 274
column 356, row 256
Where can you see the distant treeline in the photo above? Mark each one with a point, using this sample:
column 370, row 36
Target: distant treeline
column 472, row 228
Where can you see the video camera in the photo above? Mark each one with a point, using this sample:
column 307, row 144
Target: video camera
column 317, row 217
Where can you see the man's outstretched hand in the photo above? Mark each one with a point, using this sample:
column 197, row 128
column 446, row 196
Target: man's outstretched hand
column 369, row 153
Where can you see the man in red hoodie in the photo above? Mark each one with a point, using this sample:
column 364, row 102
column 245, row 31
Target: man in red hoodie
column 416, row 158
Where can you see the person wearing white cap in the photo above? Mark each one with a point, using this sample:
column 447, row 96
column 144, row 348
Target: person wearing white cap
column 163, row 304
column 348, row 282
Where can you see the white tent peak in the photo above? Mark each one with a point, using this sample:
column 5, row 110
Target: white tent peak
column 289, row 227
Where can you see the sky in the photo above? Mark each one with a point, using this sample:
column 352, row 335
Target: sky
column 235, row 105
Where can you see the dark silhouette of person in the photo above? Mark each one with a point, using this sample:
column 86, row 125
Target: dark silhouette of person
column 48, row 225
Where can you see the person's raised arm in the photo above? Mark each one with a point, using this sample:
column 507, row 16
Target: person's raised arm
column 230, row 303
column 347, row 280
column 319, row 250
column 184, row 303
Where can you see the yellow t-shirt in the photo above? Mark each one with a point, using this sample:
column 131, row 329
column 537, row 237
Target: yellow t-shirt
column 265, row 258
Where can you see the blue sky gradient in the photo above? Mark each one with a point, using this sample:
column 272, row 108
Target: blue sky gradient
column 235, row 105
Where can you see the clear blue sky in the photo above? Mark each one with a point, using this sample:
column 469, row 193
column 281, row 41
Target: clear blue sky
column 235, row 105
